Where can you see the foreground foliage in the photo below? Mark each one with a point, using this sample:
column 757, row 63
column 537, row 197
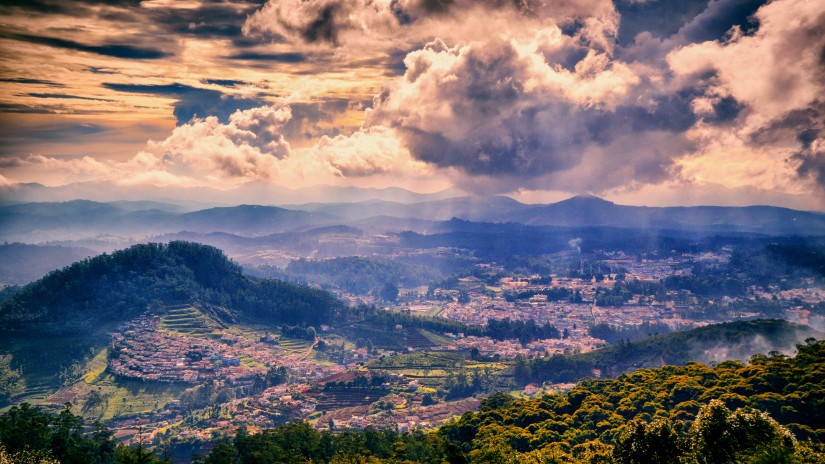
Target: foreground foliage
column 31, row 436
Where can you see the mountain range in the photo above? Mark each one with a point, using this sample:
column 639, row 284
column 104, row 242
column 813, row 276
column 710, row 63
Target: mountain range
column 77, row 219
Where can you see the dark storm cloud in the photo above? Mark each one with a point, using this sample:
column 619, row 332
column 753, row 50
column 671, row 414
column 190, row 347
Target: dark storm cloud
column 308, row 118
column 275, row 57
column 98, row 70
column 485, row 115
column 115, row 51
column 807, row 126
column 220, row 20
column 64, row 132
column 719, row 17
column 224, row 82
column 206, row 20
column 64, row 96
column 24, row 109
column 192, row 101
column 690, row 21
column 323, row 27
column 661, row 18
column 810, row 163
column 23, row 80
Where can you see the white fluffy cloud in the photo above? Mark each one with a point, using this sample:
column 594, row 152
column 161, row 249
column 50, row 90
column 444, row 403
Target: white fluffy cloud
column 511, row 114
column 368, row 152
column 249, row 147
column 777, row 76
column 360, row 26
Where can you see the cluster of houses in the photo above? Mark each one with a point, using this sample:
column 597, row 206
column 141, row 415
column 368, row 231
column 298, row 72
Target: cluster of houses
column 141, row 351
column 509, row 349
column 413, row 417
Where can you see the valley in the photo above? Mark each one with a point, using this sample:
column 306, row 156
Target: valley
column 180, row 345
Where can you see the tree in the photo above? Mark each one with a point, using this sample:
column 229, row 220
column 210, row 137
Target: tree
column 9, row 379
column 389, row 292
column 720, row 436
column 642, row 443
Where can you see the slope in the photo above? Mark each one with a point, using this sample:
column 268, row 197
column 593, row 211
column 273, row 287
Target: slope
column 709, row 344
column 111, row 288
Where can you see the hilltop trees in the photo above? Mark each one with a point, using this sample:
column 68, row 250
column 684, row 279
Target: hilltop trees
column 117, row 286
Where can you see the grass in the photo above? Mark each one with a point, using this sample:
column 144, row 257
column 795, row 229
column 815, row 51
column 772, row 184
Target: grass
column 436, row 338
column 294, row 345
column 125, row 396
column 434, row 311
column 41, row 358
column 250, row 363
column 97, row 366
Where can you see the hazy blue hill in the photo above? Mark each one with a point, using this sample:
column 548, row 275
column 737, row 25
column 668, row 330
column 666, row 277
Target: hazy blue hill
column 247, row 220
column 737, row 340
column 118, row 286
column 67, row 220
column 21, row 263
column 361, row 275
column 146, row 205
column 467, row 207
column 585, row 211
column 202, row 197
column 45, row 221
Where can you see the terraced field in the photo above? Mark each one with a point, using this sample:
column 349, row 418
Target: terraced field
column 41, row 359
column 188, row 320
column 336, row 398
column 418, row 340
column 294, row 345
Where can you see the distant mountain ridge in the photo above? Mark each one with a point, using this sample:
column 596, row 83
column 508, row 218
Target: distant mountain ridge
column 204, row 197
column 37, row 222
column 591, row 211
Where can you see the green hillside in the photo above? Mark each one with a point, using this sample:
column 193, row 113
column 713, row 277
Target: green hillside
column 115, row 287
column 709, row 344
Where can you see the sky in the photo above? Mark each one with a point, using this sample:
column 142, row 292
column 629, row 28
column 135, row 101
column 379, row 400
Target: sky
column 650, row 102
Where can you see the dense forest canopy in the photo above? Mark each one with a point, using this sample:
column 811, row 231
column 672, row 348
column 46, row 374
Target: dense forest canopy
column 361, row 275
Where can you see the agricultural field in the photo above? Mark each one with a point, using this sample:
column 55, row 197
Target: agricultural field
column 188, row 320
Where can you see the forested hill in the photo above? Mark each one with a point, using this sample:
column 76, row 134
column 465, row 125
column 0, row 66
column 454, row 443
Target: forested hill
column 118, row 286
column 713, row 343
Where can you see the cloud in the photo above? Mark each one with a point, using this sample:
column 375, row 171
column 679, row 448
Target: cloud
column 112, row 50
column 392, row 25
column 369, row 152
column 275, row 57
column 64, row 96
column 24, row 80
column 192, row 101
column 506, row 113
column 322, row 20
column 775, row 76
column 248, row 147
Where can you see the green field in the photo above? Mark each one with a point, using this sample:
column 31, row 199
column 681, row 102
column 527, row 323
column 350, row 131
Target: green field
column 97, row 366
column 41, row 360
column 124, row 396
